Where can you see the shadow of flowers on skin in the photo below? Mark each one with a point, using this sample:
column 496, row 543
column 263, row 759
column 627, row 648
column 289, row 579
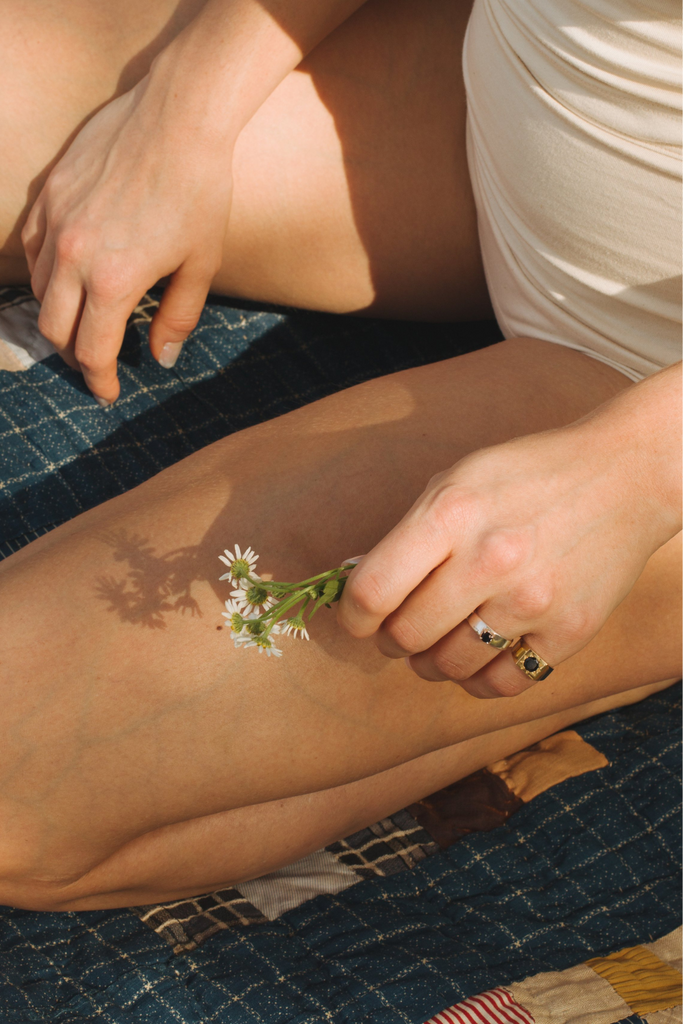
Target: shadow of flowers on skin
column 154, row 584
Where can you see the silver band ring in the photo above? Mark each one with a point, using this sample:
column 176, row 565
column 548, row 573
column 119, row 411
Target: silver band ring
column 531, row 664
column 488, row 635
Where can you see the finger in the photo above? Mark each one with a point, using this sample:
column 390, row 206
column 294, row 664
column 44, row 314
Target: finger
column 179, row 310
column 34, row 232
column 43, row 269
column 502, row 677
column 456, row 588
column 398, row 564
column 431, row 611
column 99, row 338
column 60, row 314
column 457, row 656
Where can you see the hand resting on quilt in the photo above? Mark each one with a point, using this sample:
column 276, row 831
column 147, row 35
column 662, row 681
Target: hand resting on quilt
column 129, row 203
column 543, row 536
column 144, row 191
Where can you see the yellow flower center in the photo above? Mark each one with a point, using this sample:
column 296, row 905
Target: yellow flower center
column 240, row 568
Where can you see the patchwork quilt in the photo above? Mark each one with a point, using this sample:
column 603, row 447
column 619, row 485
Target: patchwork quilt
column 544, row 888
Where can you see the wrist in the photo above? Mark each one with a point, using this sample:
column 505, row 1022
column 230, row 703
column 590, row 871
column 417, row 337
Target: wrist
column 639, row 433
column 218, row 71
column 193, row 102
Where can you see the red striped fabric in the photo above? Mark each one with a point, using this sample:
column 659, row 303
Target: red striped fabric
column 494, row 1007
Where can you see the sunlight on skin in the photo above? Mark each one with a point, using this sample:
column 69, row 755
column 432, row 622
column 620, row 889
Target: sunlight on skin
column 395, row 403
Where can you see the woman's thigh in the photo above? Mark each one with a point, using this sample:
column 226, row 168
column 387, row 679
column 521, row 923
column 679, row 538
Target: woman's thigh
column 126, row 707
column 247, row 842
column 351, row 183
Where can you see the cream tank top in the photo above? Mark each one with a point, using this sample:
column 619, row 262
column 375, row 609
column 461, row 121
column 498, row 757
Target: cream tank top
column 574, row 148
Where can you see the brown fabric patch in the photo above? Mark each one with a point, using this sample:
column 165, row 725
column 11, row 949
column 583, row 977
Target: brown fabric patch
column 477, row 803
column 547, row 763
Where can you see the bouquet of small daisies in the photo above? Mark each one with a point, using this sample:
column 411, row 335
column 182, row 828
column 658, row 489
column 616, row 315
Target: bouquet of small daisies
column 261, row 608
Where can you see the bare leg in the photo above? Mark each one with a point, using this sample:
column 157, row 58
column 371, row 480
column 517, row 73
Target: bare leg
column 238, row 845
column 351, row 183
column 122, row 716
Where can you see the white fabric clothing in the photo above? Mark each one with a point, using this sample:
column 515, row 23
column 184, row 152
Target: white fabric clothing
column 574, row 148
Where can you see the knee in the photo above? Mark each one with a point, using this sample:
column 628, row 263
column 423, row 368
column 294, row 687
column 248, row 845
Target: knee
column 32, row 893
column 30, row 882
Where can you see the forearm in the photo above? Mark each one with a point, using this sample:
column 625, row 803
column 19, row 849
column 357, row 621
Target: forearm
column 220, row 69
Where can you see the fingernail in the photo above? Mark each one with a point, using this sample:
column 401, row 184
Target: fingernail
column 102, row 401
column 353, row 561
column 169, row 354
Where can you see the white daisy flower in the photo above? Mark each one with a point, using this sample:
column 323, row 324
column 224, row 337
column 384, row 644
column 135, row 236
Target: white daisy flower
column 234, row 614
column 246, row 635
column 239, row 564
column 250, row 596
column 295, row 626
column 264, row 643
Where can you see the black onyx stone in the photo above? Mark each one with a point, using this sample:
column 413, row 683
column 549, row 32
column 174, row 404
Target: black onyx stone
column 487, row 637
column 531, row 664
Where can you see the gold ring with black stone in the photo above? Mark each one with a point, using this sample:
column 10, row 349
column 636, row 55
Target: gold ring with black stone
column 531, row 664
column 488, row 635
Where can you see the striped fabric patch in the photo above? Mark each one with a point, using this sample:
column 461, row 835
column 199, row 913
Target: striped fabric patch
column 642, row 980
column 494, row 1007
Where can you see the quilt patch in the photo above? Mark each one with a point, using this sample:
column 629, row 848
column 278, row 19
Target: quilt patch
column 643, row 980
column 494, row 1007
column 604, row 990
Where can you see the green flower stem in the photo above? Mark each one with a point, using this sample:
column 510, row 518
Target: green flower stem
column 296, row 593
column 302, row 583
column 278, row 610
